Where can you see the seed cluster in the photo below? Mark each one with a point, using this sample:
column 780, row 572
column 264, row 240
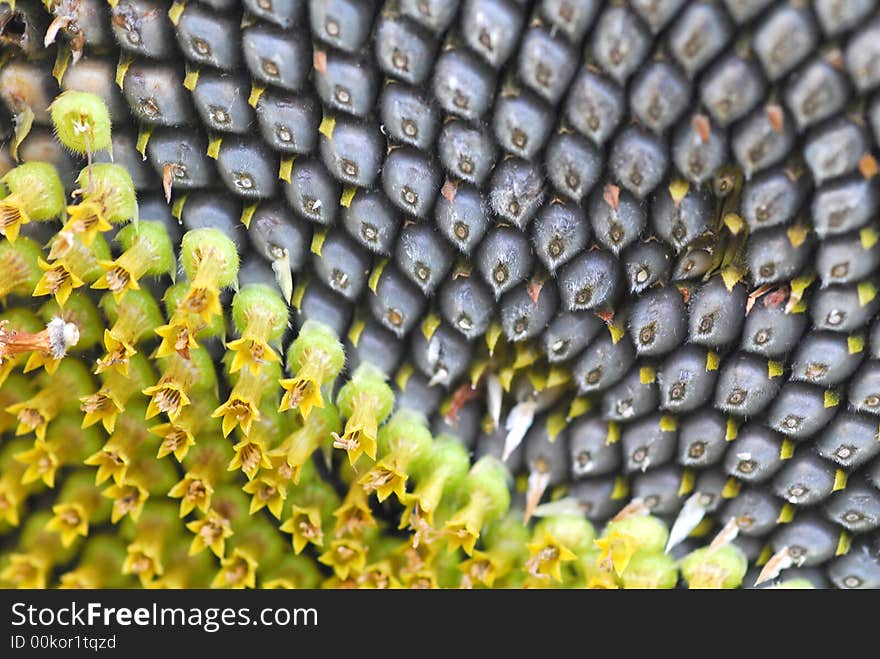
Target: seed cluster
column 433, row 290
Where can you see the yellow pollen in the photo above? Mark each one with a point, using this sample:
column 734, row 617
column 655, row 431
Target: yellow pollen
column 174, row 440
column 168, row 400
column 309, row 530
column 251, row 455
column 30, row 417
column 141, row 565
column 117, row 279
column 196, row 491
column 70, row 517
column 236, row 573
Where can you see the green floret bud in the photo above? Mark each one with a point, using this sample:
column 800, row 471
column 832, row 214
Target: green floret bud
column 402, row 440
column 438, row 470
column 151, row 231
column 260, row 316
column 313, row 337
column 292, row 571
column 110, row 186
column 723, row 568
column 446, row 567
column 314, row 359
column 370, row 381
column 210, row 261
column 100, row 565
column 491, row 478
column 140, row 371
column 557, row 540
column 33, row 193
column 140, row 314
column 622, row 539
column 40, row 182
column 20, row 270
column 365, row 401
column 148, row 251
column 576, row 533
column 260, row 305
column 650, row 571
column 649, row 532
column 81, row 121
column 101, row 249
column 505, row 551
column 16, row 388
column 406, row 431
column 209, row 257
column 302, row 443
column 507, row 534
column 22, row 319
column 175, row 294
column 314, row 490
column 487, row 490
column 73, row 379
column 272, row 425
column 446, row 453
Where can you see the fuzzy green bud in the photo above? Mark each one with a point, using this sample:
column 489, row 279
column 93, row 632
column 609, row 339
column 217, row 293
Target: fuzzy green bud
column 314, row 359
column 108, row 198
column 402, row 440
column 260, row 304
column 210, row 261
column 487, row 490
column 100, row 565
column 209, row 255
column 148, row 251
column 81, row 121
column 366, row 401
column 437, row 471
column 302, row 443
column 557, row 540
column 621, row 539
column 722, row 568
column 34, row 193
column 19, row 267
column 175, row 294
column 576, row 533
column 113, row 188
column 260, row 316
column 650, row 571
